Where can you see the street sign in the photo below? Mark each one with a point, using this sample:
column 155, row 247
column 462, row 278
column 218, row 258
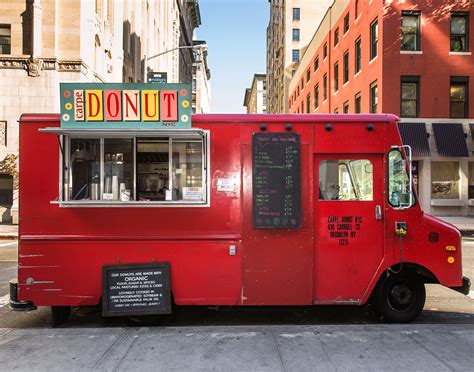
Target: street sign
column 119, row 106
column 157, row 77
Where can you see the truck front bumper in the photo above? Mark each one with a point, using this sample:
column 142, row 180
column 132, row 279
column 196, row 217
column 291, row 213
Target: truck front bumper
column 465, row 288
column 14, row 303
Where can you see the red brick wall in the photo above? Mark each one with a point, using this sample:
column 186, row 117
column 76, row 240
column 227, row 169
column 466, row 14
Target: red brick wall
column 435, row 65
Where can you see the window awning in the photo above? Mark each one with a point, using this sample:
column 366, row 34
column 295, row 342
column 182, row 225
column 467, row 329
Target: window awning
column 450, row 140
column 139, row 132
column 415, row 136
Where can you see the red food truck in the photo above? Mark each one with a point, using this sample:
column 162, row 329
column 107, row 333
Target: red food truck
column 237, row 210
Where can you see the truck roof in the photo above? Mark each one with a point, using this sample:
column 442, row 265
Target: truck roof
column 256, row 118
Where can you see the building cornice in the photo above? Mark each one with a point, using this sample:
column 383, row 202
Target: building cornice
column 34, row 66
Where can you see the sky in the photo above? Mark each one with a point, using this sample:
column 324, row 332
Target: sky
column 235, row 32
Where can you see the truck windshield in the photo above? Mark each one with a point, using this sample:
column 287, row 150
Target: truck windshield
column 399, row 181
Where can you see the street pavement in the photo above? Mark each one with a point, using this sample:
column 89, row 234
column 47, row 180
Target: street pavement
column 275, row 339
column 242, row 348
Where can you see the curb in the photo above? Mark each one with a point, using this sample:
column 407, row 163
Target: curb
column 9, row 237
column 467, row 233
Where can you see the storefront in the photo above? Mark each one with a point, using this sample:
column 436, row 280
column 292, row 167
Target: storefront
column 444, row 165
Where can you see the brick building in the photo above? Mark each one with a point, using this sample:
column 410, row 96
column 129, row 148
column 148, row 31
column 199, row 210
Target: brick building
column 409, row 58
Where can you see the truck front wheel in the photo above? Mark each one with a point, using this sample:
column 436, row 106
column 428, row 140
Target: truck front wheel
column 400, row 298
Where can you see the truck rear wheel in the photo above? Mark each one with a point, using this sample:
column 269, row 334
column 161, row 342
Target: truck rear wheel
column 400, row 298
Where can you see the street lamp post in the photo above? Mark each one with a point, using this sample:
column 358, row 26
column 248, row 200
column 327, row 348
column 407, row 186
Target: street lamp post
column 194, row 47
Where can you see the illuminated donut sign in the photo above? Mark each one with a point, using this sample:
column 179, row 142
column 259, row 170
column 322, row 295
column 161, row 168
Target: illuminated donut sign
column 95, row 105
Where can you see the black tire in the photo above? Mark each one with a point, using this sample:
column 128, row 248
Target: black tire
column 59, row 314
column 400, row 298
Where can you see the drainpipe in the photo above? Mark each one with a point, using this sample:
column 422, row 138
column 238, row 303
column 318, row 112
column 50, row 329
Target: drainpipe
column 36, row 31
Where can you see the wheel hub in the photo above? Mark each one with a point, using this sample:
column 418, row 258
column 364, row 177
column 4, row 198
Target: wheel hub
column 401, row 296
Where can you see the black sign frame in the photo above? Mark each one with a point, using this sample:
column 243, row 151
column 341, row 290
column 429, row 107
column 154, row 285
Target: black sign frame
column 164, row 266
column 275, row 177
column 156, row 77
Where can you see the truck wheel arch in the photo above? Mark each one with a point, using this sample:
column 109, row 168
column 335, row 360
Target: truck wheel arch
column 426, row 274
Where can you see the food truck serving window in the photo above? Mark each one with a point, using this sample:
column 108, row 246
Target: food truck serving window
column 140, row 169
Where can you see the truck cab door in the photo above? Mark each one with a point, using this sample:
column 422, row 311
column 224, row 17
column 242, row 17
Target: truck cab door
column 348, row 225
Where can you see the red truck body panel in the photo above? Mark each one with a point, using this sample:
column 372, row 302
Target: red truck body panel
column 62, row 249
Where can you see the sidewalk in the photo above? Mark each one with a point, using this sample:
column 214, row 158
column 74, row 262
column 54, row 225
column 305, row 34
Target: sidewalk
column 8, row 231
column 464, row 224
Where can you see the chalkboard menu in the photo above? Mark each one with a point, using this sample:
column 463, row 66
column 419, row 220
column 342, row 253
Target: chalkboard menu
column 138, row 289
column 276, row 180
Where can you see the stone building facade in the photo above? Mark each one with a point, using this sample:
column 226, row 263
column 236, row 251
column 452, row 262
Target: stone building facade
column 255, row 99
column 45, row 42
column 201, row 84
column 291, row 25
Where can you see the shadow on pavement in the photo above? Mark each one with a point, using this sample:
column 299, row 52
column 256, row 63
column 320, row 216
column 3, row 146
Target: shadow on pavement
column 87, row 317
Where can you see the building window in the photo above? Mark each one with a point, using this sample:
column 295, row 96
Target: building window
column 374, row 39
column 445, row 180
column 336, row 76
column 409, row 96
column 308, row 103
column 459, row 32
column 410, row 31
column 302, row 84
column 302, row 107
column 296, row 14
column 357, row 103
column 293, row 72
column 358, row 56
column 336, row 110
column 373, row 98
column 296, row 55
column 345, row 75
column 336, row 37
column 325, row 87
column 325, row 50
column 316, row 64
column 316, row 96
column 296, row 34
column 308, row 75
column 357, row 9
column 459, row 97
column 471, row 181
column 346, row 23
column 6, row 190
column 345, row 107
column 5, row 39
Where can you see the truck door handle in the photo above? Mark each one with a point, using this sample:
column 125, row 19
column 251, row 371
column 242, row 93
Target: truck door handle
column 378, row 212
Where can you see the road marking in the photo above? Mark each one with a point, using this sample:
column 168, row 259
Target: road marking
column 471, row 294
column 6, row 244
column 4, row 300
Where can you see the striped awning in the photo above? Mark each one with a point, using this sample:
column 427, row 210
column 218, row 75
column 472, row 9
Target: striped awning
column 450, row 140
column 415, row 136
